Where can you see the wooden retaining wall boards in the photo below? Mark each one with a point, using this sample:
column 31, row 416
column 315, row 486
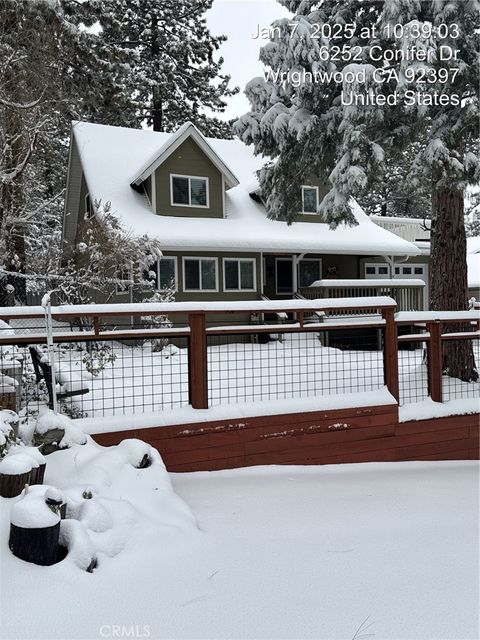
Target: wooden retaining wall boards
column 366, row 434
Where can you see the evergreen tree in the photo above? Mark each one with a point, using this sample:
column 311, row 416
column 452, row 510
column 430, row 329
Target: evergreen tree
column 310, row 127
column 45, row 51
column 472, row 214
column 169, row 50
column 395, row 191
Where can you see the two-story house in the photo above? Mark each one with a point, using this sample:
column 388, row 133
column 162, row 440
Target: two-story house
column 200, row 197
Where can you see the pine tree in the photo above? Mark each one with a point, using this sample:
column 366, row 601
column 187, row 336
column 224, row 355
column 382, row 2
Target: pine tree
column 170, row 68
column 309, row 128
column 472, row 214
column 396, row 191
column 45, row 51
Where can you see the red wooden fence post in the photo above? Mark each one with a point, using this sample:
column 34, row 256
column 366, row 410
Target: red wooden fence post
column 391, row 353
column 197, row 361
column 435, row 361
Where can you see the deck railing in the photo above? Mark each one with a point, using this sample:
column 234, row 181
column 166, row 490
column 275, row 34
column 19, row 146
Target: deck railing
column 111, row 359
column 408, row 294
column 410, row 229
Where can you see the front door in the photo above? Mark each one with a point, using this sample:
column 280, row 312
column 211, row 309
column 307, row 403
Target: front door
column 284, row 276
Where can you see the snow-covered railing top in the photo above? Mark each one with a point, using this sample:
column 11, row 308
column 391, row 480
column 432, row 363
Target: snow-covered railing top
column 409, row 317
column 371, row 283
column 167, row 308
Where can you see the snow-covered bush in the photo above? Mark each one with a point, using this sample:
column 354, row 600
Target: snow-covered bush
column 54, row 431
column 8, row 437
column 159, row 321
column 97, row 356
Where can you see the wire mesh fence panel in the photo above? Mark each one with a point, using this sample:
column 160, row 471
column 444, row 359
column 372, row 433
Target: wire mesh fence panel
column 461, row 362
column 99, row 378
column 288, row 365
column 412, row 372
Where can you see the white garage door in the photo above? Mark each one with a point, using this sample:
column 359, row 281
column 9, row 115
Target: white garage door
column 407, row 271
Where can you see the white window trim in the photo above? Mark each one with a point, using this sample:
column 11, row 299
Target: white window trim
column 319, row 260
column 283, row 293
column 189, row 206
column 239, row 260
column 309, row 213
column 200, row 290
column 175, row 270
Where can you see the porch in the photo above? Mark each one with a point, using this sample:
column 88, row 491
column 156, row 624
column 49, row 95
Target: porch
column 313, row 277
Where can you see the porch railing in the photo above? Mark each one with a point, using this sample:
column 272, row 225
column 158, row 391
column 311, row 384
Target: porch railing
column 410, row 229
column 408, row 294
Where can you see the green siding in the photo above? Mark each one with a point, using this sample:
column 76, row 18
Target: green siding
column 346, row 267
column 189, row 160
column 220, row 295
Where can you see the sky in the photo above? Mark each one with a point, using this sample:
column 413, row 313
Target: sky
column 238, row 20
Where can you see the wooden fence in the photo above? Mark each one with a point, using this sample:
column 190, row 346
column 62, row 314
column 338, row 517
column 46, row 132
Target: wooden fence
column 347, row 434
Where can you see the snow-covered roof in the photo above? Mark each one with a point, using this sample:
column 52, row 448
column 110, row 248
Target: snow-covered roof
column 473, row 262
column 172, row 142
column 113, row 157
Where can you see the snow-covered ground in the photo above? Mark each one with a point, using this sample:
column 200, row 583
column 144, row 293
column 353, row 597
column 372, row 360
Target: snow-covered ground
column 140, row 380
column 384, row 551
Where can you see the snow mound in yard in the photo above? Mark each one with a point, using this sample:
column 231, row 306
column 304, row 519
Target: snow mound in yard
column 48, row 420
column 111, row 503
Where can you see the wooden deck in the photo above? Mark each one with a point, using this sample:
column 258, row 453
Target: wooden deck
column 367, row 434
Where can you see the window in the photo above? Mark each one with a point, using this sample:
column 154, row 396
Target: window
column 88, row 207
column 378, row 271
column 418, row 271
column 309, row 199
column 166, row 273
column 200, row 274
column 189, row 191
column 239, row 274
column 407, row 271
column 309, row 271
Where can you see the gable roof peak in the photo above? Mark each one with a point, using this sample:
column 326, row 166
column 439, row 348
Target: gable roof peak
column 174, row 140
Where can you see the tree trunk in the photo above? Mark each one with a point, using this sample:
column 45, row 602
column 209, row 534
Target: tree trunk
column 448, row 276
column 157, row 111
column 157, row 103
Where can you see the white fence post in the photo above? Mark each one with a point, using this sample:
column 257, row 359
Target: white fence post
column 46, row 304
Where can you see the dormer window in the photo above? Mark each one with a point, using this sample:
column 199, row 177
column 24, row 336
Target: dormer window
column 309, row 199
column 188, row 191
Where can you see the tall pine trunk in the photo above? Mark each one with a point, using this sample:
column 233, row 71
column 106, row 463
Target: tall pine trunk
column 448, row 276
column 157, row 102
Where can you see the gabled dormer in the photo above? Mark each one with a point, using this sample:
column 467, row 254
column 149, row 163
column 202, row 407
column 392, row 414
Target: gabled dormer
column 312, row 192
column 186, row 177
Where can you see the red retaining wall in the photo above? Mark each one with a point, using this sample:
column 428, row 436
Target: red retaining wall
column 365, row 434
